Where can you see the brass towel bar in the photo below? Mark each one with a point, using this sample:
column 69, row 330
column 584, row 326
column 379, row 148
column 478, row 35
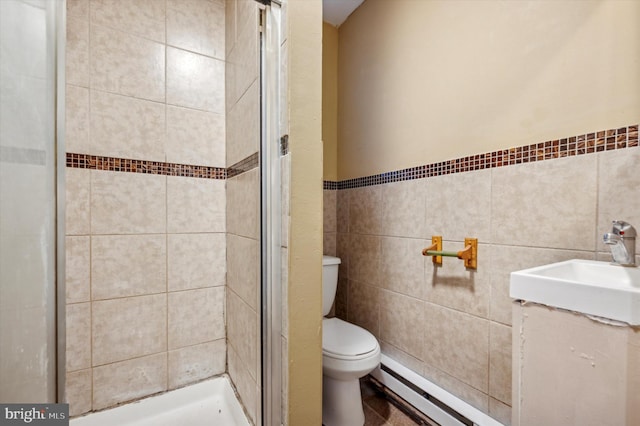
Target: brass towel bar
column 469, row 254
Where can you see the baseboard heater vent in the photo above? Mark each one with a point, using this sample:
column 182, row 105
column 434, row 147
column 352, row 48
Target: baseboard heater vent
column 430, row 399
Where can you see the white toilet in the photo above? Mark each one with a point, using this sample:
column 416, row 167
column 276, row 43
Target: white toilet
column 349, row 352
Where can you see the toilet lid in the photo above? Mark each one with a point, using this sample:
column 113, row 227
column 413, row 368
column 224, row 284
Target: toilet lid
column 344, row 339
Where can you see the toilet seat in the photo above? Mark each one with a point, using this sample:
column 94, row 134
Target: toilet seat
column 345, row 341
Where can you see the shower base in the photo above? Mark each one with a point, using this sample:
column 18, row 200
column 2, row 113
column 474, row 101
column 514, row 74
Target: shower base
column 211, row 402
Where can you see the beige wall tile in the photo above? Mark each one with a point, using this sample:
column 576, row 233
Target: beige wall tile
column 78, row 8
column 127, row 203
column 329, row 243
column 342, row 251
column 412, row 363
column 196, row 316
column 195, row 205
column 401, row 320
column 459, row 206
column 128, row 328
column 342, row 210
column 242, row 332
column 129, row 380
column 77, row 120
column 243, row 195
column 507, row 259
column 77, row 196
column 500, row 362
column 196, row 260
column 458, row 344
column 532, row 204
column 229, row 25
column 128, row 265
column 127, row 65
column 194, row 363
column 243, row 269
column 454, row 286
column 125, row 127
column 78, row 392
column 403, row 209
column 243, row 126
column 618, row 191
column 78, row 337
column 363, row 306
column 197, row 25
column 195, row 137
column 244, row 383
column 245, row 57
column 462, row 390
column 329, row 209
column 341, row 302
column 77, row 269
column 365, row 214
column 500, row 411
column 143, row 18
column 77, row 49
column 195, row 81
column 403, row 265
column 365, row 258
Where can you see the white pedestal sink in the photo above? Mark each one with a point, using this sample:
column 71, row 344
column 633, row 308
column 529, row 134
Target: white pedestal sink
column 589, row 287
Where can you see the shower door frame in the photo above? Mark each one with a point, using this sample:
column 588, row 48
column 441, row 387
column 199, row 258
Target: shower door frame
column 270, row 215
column 60, row 188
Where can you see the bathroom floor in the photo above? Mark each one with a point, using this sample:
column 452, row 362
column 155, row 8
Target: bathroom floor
column 382, row 410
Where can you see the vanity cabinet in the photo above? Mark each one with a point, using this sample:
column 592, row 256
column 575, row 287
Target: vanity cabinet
column 571, row 369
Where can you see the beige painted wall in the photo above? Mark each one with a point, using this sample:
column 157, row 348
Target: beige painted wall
column 426, row 81
column 330, row 101
column 304, row 41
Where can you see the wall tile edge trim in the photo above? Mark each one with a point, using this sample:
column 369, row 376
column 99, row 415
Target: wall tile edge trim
column 588, row 143
column 249, row 163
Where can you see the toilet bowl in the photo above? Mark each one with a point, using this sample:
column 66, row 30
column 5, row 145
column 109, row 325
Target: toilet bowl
column 349, row 352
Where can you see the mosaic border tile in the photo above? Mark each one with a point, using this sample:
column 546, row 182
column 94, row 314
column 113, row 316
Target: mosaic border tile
column 604, row 140
column 331, row 185
column 96, row 162
column 249, row 163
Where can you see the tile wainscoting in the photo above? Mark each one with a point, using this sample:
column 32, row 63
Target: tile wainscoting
column 453, row 325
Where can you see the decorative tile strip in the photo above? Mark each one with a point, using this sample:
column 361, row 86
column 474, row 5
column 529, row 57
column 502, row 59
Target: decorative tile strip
column 330, row 185
column 96, row 162
column 249, row 163
column 605, row 140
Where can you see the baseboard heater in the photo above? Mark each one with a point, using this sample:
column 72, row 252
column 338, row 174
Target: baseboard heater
column 435, row 402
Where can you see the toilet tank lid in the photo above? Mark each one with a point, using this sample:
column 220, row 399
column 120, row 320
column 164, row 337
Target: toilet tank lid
column 330, row 260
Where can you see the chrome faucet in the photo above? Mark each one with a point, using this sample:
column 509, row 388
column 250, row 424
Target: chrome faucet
column 622, row 242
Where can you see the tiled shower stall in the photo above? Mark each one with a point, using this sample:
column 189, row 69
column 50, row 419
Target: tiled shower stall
column 162, row 198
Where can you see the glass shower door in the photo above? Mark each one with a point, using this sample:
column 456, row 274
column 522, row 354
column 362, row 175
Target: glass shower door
column 28, row 200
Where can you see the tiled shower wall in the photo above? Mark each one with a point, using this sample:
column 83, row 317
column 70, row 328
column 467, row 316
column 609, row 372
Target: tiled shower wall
column 145, row 251
column 453, row 325
column 243, row 201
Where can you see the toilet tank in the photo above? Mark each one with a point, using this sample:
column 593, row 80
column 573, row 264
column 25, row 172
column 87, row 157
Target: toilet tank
column 329, row 282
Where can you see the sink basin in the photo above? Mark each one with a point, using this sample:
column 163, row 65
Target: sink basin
column 595, row 288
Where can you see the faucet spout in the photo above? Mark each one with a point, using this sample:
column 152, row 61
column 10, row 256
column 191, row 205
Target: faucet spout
column 622, row 242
